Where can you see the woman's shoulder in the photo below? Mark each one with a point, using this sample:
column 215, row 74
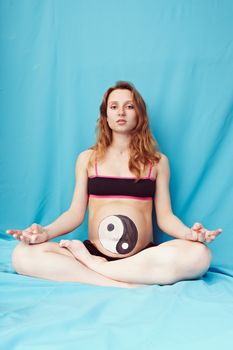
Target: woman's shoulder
column 82, row 161
column 163, row 157
column 160, row 158
column 84, row 156
column 163, row 164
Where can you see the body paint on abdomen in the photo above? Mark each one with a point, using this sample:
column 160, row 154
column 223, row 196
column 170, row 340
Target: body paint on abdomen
column 118, row 234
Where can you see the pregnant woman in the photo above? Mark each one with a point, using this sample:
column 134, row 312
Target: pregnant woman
column 118, row 180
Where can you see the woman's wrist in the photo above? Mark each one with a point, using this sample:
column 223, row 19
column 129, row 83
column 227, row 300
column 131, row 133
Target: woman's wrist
column 48, row 233
column 187, row 233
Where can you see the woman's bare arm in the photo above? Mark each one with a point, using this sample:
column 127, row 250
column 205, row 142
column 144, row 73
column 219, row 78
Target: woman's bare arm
column 74, row 216
column 70, row 219
column 167, row 221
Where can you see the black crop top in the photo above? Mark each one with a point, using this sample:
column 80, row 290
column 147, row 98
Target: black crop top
column 121, row 187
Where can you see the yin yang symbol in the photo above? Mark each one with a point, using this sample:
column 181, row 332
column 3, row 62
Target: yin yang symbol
column 118, row 234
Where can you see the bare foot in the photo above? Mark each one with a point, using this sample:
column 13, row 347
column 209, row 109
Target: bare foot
column 80, row 252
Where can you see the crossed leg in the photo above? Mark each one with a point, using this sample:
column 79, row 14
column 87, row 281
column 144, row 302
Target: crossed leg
column 49, row 261
column 166, row 263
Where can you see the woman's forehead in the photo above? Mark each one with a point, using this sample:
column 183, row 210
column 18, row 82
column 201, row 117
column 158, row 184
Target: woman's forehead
column 120, row 95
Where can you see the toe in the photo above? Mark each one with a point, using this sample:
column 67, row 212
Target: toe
column 64, row 243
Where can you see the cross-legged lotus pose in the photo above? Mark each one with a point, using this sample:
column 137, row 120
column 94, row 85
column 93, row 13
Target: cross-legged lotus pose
column 118, row 179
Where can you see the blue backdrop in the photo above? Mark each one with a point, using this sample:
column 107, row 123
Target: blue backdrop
column 58, row 57
column 57, row 60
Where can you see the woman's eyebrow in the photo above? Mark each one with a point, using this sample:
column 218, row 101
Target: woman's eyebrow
column 118, row 101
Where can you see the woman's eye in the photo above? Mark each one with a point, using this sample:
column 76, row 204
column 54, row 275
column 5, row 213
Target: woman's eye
column 128, row 106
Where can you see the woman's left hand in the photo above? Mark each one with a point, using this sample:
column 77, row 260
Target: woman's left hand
column 200, row 234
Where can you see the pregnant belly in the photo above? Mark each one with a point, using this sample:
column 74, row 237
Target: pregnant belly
column 120, row 231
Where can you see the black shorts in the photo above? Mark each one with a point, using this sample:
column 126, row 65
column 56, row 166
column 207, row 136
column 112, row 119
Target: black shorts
column 94, row 251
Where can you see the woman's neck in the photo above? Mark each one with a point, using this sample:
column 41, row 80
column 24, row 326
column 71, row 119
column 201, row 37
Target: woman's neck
column 120, row 143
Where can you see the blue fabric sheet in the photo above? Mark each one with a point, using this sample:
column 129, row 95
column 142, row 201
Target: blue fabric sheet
column 38, row 314
column 57, row 59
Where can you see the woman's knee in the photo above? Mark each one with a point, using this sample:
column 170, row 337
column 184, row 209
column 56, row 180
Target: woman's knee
column 186, row 259
column 18, row 256
column 23, row 255
column 194, row 261
column 201, row 256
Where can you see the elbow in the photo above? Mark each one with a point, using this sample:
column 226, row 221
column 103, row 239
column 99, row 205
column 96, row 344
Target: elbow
column 77, row 218
column 161, row 225
column 163, row 220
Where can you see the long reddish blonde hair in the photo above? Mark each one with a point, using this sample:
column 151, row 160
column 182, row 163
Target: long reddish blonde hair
column 143, row 147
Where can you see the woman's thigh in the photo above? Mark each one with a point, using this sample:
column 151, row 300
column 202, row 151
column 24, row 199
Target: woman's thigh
column 187, row 256
column 51, row 262
column 184, row 245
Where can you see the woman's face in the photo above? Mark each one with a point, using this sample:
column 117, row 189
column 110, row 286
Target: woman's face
column 121, row 115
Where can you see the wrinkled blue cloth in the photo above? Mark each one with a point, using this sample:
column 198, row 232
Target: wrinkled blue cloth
column 39, row 314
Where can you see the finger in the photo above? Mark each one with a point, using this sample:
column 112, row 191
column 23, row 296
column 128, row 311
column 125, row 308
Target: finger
column 27, row 235
column 33, row 239
column 210, row 236
column 210, row 239
column 201, row 236
column 32, row 229
column 29, row 230
column 17, row 236
column 35, row 227
column 194, row 227
column 24, row 238
column 198, row 225
column 11, row 232
column 215, row 233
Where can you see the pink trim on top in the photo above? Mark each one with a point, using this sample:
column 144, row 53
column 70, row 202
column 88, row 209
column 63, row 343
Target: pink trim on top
column 122, row 177
column 116, row 196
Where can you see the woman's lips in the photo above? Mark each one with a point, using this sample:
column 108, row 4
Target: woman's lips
column 121, row 121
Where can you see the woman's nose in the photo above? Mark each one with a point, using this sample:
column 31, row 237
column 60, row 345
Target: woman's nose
column 121, row 111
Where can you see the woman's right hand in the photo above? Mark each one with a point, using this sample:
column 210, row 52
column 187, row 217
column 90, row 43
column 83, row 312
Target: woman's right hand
column 32, row 235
